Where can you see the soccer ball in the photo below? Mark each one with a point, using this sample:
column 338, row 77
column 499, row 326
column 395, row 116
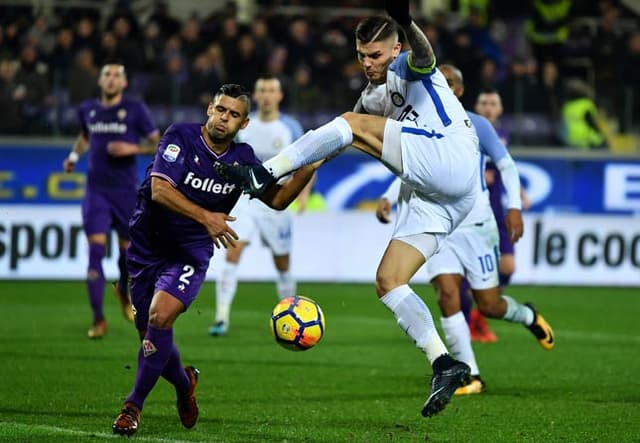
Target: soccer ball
column 297, row 323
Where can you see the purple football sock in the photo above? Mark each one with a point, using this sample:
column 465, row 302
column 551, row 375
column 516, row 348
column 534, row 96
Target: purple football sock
column 174, row 373
column 466, row 301
column 154, row 352
column 124, row 276
column 95, row 280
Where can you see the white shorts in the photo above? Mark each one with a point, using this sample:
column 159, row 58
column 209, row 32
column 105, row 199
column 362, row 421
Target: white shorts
column 440, row 177
column 426, row 243
column 273, row 227
column 472, row 251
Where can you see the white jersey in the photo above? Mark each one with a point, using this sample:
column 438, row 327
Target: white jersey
column 438, row 144
column 267, row 140
column 426, row 100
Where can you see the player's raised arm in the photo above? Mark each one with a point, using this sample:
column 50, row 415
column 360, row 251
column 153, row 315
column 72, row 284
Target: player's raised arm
column 422, row 55
column 281, row 196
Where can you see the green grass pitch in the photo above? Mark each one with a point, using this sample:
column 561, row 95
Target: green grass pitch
column 365, row 382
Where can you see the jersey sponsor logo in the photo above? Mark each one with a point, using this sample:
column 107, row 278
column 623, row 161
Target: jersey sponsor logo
column 208, row 184
column 107, row 128
column 171, row 153
column 148, row 348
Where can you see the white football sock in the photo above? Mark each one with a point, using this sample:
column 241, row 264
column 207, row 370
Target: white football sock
column 517, row 312
column 415, row 319
column 226, row 286
column 311, row 147
column 458, row 337
column 285, row 285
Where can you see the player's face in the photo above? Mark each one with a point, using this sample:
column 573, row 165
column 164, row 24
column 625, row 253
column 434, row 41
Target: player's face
column 227, row 115
column 267, row 94
column 489, row 106
column 112, row 81
column 375, row 58
column 453, row 81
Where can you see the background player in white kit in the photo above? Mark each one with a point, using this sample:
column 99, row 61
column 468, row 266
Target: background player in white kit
column 471, row 251
column 269, row 131
column 431, row 145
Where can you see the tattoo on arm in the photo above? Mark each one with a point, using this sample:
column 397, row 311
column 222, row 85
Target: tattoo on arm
column 422, row 55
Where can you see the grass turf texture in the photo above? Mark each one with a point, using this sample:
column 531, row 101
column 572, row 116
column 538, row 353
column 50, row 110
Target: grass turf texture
column 365, row 382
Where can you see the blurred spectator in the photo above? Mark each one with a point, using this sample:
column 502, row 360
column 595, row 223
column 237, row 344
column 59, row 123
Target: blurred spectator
column 170, row 87
column 204, row 78
column 128, row 46
column 304, row 93
column 580, row 126
column 192, row 44
column 466, row 57
column 34, row 89
column 241, row 67
column 263, row 42
column 152, row 47
column 62, row 57
column 300, row 45
column 167, row 24
column 83, row 77
column 630, row 75
column 40, row 33
column 548, row 27
column 86, row 35
column 11, row 94
column 108, row 48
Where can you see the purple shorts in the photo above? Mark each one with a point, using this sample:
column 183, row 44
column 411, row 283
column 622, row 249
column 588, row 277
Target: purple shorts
column 181, row 280
column 105, row 210
column 506, row 245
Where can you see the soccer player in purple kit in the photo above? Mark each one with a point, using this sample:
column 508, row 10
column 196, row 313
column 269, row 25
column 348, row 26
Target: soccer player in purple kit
column 183, row 204
column 114, row 130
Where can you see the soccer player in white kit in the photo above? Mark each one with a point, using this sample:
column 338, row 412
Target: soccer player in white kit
column 433, row 148
column 268, row 132
column 472, row 251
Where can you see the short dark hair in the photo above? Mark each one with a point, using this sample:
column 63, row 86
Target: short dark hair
column 115, row 61
column 488, row 90
column 235, row 91
column 376, row 28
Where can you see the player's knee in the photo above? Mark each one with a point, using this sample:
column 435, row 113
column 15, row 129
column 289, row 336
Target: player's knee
column 385, row 282
column 161, row 320
column 448, row 298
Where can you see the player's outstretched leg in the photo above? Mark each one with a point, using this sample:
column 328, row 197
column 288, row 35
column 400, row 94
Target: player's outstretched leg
column 541, row 329
column 186, row 403
column 448, row 375
column 252, row 179
column 127, row 421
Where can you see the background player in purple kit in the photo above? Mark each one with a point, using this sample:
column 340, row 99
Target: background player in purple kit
column 183, row 204
column 114, row 130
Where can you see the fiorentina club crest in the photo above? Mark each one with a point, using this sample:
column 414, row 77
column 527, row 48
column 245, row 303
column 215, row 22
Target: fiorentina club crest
column 122, row 113
column 148, row 348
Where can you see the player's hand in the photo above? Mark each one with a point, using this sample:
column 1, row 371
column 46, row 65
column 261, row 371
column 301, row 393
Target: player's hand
column 383, row 211
column 68, row 165
column 122, row 149
column 515, row 227
column 399, row 11
column 220, row 232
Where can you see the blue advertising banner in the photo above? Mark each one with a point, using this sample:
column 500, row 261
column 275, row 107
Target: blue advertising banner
column 33, row 174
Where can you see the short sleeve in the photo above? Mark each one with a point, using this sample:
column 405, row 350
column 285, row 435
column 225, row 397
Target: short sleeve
column 169, row 160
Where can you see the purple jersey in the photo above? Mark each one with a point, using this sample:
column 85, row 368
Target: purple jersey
column 128, row 121
column 184, row 160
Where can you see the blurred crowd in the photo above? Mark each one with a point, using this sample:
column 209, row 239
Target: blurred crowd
column 539, row 54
